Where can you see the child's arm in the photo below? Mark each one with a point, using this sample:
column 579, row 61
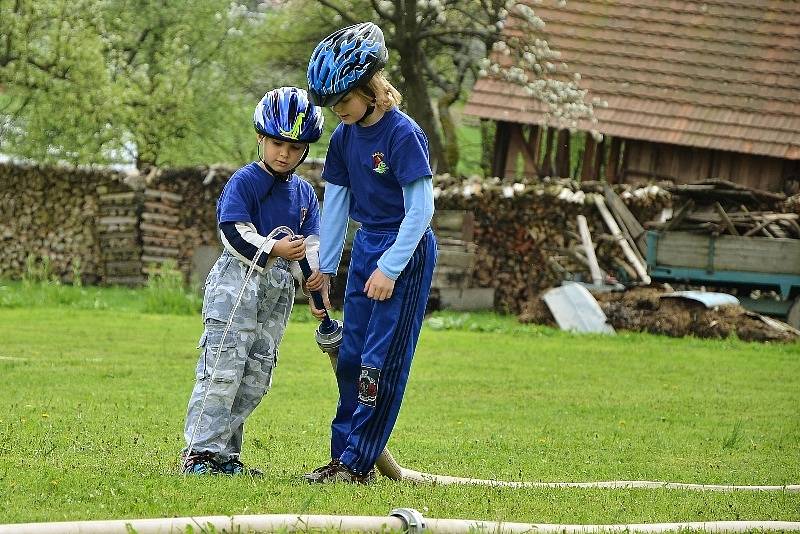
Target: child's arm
column 418, row 202
column 242, row 240
column 333, row 229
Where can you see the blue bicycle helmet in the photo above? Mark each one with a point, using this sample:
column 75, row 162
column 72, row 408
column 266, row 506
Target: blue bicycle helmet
column 344, row 60
column 286, row 114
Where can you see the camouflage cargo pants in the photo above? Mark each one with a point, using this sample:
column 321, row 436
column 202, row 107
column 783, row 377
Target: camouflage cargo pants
column 247, row 356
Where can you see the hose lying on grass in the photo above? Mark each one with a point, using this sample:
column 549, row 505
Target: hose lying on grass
column 403, row 519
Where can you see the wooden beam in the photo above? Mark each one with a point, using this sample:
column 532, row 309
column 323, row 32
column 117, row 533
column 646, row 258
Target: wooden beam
column 547, row 160
column 725, row 219
column 613, row 161
column 501, row 136
column 562, row 154
column 587, row 168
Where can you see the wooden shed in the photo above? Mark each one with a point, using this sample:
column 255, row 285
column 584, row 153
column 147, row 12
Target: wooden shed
column 696, row 89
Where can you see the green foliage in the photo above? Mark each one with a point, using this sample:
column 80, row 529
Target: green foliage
column 94, row 411
column 166, row 292
column 165, row 83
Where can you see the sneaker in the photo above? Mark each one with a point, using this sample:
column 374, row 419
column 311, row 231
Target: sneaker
column 336, row 471
column 313, row 475
column 235, row 467
column 200, row 463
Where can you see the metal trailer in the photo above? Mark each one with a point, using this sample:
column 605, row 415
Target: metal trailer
column 745, row 262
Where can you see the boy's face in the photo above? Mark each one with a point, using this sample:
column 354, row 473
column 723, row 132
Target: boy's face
column 350, row 108
column 281, row 155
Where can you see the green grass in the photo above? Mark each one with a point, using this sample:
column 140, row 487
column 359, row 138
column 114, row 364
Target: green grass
column 93, row 404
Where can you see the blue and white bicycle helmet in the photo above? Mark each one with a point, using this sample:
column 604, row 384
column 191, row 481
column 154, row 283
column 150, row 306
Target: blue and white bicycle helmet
column 344, row 60
column 286, row 114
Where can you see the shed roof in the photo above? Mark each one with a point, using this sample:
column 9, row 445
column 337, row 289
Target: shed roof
column 721, row 74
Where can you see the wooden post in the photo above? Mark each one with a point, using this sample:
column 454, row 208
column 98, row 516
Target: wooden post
column 562, row 154
column 613, row 161
column 534, row 145
column 547, row 161
column 587, row 170
column 500, row 149
column 588, row 248
column 600, row 158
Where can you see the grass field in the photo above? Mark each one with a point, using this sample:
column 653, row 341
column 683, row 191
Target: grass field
column 93, row 403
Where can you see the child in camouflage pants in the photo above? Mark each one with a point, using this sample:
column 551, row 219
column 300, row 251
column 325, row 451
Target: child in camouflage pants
column 258, row 198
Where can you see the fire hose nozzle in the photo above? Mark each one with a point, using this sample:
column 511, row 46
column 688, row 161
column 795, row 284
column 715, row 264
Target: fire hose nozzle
column 329, row 336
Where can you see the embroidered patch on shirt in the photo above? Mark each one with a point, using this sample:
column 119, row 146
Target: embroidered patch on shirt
column 368, row 385
column 378, row 165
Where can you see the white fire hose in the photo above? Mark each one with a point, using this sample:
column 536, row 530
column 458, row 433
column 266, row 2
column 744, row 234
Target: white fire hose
column 401, row 519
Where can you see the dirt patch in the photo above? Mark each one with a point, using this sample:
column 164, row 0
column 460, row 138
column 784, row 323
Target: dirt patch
column 643, row 310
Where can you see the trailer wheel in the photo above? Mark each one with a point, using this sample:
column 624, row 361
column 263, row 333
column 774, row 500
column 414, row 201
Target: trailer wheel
column 793, row 317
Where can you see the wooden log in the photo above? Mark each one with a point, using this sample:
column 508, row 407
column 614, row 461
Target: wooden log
column 588, row 248
column 620, row 239
column 725, row 219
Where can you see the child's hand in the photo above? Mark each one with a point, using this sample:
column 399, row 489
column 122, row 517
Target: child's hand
column 290, row 248
column 317, row 281
column 321, row 283
column 379, row 286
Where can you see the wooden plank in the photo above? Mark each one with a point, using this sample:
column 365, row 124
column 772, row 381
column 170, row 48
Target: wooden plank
column 678, row 217
column 588, row 247
column 160, row 251
column 454, row 258
column 731, row 253
column 162, row 195
column 156, row 229
column 169, row 242
column 725, row 219
column 454, row 223
column 630, row 255
column 148, row 258
column 618, row 207
column 160, row 217
column 117, row 220
column 158, row 207
column 117, row 197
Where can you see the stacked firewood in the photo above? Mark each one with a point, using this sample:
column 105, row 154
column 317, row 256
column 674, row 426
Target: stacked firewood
column 520, row 227
column 719, row 207
column 119, row 237
column 161, row 236
column 47, row 220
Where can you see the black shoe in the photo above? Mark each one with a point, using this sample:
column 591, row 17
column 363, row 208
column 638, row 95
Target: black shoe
column 200, row 463
column 336, row 471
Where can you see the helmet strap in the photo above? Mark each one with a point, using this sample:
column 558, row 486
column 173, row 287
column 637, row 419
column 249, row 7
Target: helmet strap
column 367, row 113
column 282, row 176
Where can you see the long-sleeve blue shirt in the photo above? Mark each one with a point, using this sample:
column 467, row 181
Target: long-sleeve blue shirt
column 418, row 203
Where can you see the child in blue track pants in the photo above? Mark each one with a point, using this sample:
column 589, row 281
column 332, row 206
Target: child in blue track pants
column 378, row 174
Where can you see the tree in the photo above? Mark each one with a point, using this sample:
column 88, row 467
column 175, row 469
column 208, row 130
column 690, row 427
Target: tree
column 157, row 82
column 441, row 46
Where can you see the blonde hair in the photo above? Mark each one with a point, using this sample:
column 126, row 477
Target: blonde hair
column 380, row 91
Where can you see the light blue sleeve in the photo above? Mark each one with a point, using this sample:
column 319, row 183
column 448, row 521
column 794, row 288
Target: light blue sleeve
column 333, row 228
column 418, row 202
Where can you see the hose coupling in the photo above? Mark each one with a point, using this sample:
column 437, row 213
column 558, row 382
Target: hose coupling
column 329, row 341
column 413, row 519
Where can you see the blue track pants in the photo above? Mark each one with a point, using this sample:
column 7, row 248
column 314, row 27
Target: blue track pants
column 377, row 348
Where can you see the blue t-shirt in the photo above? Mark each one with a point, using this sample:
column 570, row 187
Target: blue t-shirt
column 253, row 195
column 375, row 162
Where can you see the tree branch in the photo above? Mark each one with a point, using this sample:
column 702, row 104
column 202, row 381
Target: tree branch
column 382, row 12
column 342, row 13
